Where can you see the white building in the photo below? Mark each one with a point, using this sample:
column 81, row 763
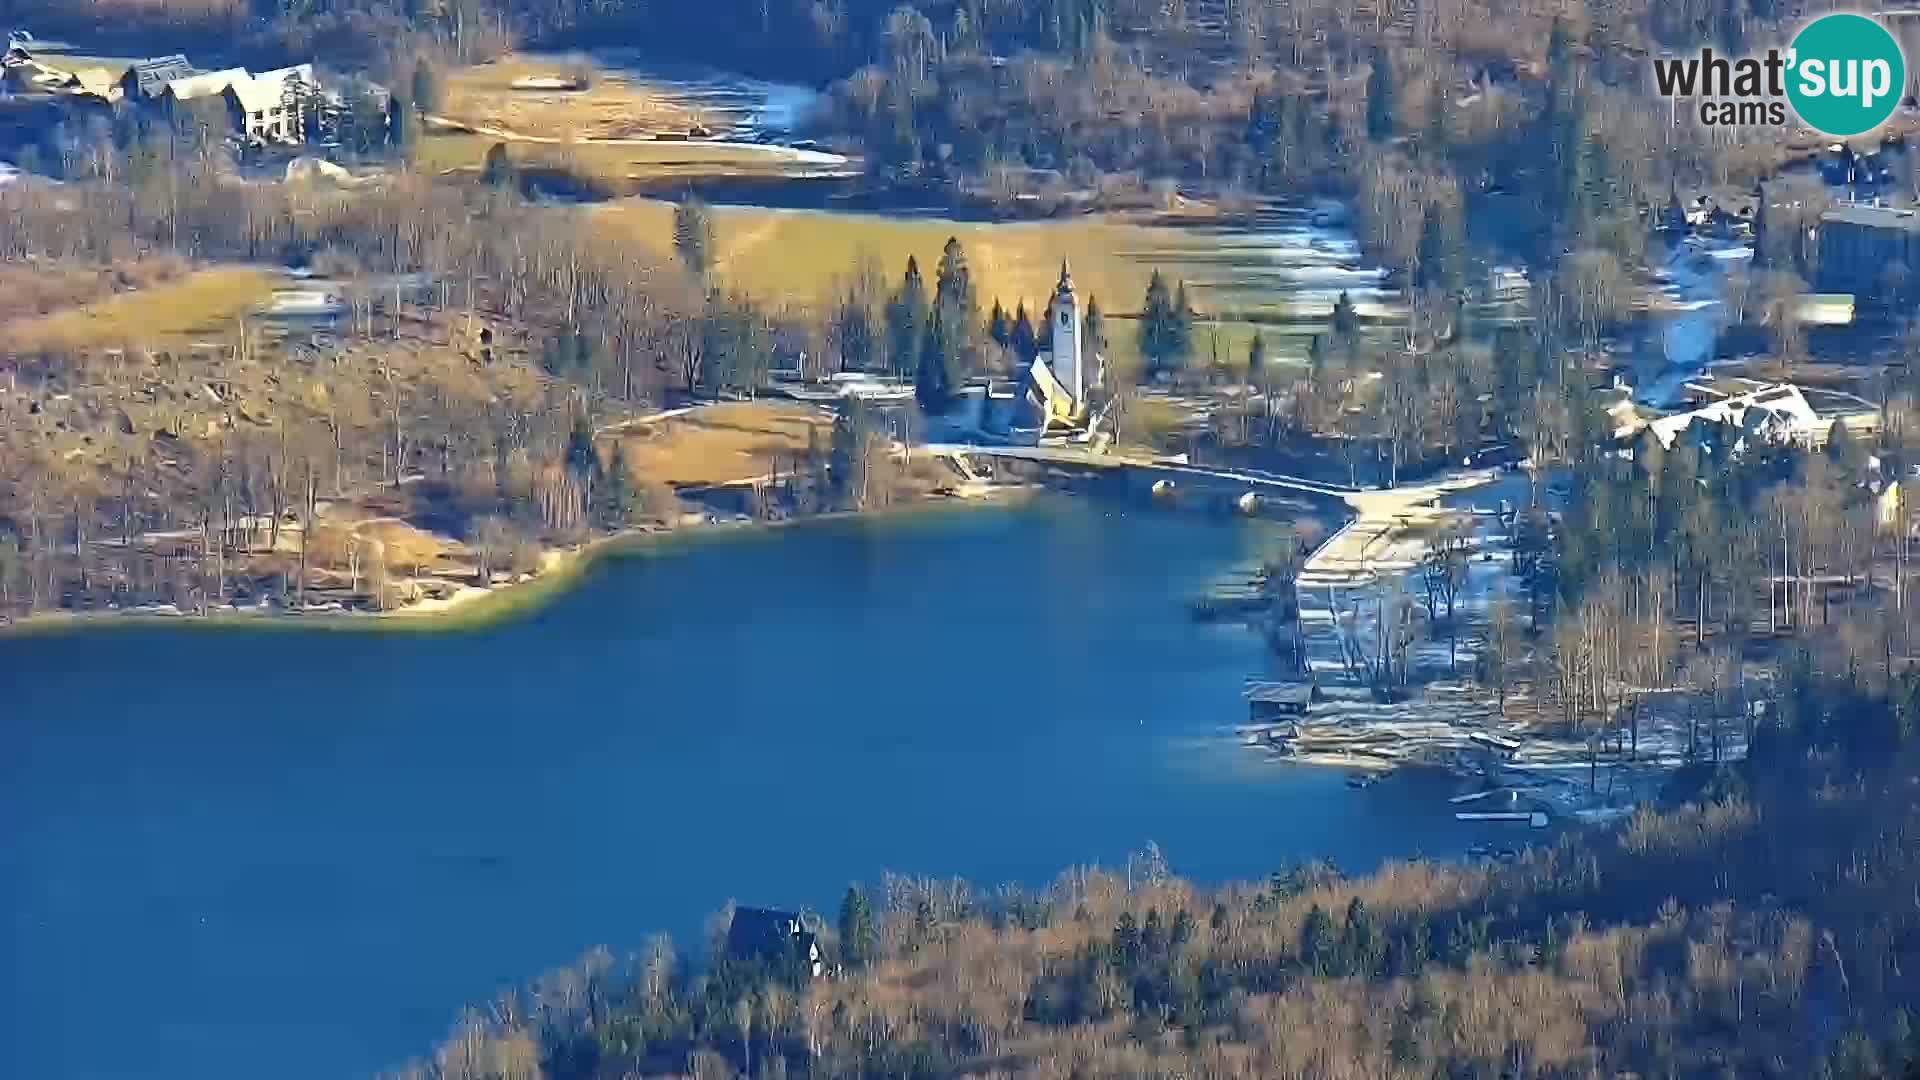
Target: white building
column 1777, row 413
column 1063, row 376
column 273, row 106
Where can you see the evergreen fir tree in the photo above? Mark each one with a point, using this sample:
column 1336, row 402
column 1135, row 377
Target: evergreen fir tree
column 1093, row 329
column 1380, row 97
column 1025, row 342
column 497, row 170
column 1438, row 136
column 1182, row 321
column 1317, row 941
column 616, row 490
column 858, row 937
column 1346, row 321
column 935, row 379
column 1159, row 332
column 907, row 321
column 402, row 126
column 1437, row 265
column 693, row 235
column 953, row 284
column 999, row 327
column 1845, row 451
column 426, row 88
column 1559, row 46
column 1675, row 221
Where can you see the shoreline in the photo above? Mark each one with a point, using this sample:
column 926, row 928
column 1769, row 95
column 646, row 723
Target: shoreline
column 472, row 607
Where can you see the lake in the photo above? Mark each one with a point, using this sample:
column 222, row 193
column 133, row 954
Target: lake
column 299, row 852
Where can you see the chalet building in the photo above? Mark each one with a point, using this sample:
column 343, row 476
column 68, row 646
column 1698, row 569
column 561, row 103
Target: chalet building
column 1872, row 252
column 147, row 80
column 1738, row 415
column 278, row 106
column 770, row 936
column 274, row 106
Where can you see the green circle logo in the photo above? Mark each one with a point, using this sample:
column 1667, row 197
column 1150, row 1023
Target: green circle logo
column 1845, row 74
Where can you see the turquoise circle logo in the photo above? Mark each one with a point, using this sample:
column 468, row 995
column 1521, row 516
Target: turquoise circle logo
column 1846, row 74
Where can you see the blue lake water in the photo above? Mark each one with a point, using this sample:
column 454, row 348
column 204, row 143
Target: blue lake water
column 235, row 853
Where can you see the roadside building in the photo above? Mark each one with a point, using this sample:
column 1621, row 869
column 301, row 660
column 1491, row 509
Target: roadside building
column 1872, row 252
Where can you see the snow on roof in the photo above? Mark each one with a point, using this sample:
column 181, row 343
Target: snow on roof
column 1873, row 217
column 205, row 84
column 100, row 82
column 1782, row 407
column 266, row 90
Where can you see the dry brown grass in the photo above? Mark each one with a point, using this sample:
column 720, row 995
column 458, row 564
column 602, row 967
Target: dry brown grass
column 805, row 256
column 720, row 444
column 614, row 167
column 170, row 313
column 42, row 287
column 483, row 97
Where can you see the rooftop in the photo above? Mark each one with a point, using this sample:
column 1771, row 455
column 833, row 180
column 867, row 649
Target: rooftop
column 1279, row 693
column 205, row 84
column 265, row 90
column 153, row 75
column 1874, row 217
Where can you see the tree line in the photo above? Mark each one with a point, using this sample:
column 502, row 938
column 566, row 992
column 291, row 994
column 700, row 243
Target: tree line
column 1749, row 928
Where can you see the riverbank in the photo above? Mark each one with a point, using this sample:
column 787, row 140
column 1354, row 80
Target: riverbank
column 1447, row 710
column 474, row 607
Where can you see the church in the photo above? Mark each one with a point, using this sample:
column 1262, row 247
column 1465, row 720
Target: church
column 1065, row 375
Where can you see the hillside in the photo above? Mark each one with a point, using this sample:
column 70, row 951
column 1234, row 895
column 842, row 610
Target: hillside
column 1764, row 928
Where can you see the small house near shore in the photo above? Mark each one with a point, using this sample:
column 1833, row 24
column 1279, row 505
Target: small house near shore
column 1278, row 702
column 771, row 936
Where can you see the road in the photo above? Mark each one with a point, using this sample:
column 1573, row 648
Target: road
column 1060, row 455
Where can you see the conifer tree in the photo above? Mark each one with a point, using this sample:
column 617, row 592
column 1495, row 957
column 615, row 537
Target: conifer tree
column 858, row 937
column 1380, row 97
column 1023, row 339
column 693, row 236
column 907, row 321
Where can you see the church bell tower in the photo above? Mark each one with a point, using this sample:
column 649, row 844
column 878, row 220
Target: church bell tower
column 1066, row 361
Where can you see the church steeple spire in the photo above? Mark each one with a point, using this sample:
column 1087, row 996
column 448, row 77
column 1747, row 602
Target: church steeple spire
column 1066, row 278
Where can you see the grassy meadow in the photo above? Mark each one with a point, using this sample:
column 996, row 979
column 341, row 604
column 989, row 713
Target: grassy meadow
column 808, row 257
column 483, row 96
column 612, row 167
column 722, row 443
column 175, row 312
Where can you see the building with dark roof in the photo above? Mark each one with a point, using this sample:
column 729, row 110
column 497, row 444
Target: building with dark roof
column 148, row 79
column 770, row 936
column 1872, row 252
